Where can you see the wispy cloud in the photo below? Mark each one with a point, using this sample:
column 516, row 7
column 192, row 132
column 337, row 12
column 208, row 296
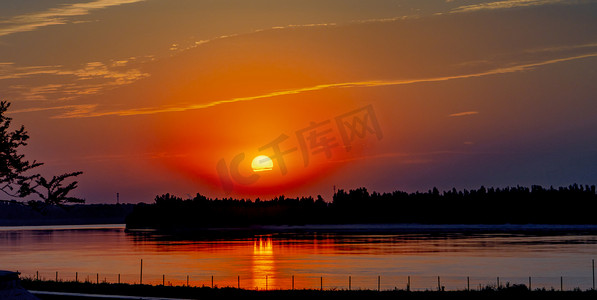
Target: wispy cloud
column 66, row 83
column 509, row 4
column 101, row 70
column 356, row 84
column 55, row 16
column 11, row 71
column 40, row 92
column 75, row 109
column 112, row 70
column 563, row 48
column 179, row 47
column 464, row 113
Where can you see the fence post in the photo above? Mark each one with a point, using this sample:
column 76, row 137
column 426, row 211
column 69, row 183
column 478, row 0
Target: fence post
column 141, row 273
column 163, row 279
column 321, row 283
column 408, row 284
column 378, row 283
column 530, row 288
column 97, row 278
column 76, row 276
column 498, row 282
column 349, row 282
column 118, row 278
column 237, row 279
column 468, row 283
column 212, row 281
column 56, row 276
column 292, row 282
column 36, row 275
column 561, row 283
column 439, row 287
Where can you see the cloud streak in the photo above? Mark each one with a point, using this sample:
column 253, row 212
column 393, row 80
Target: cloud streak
column 55, row 16
column 465, row 113
column 508, row 4
column 91, row 78
column 356, row 84
column 74, row 109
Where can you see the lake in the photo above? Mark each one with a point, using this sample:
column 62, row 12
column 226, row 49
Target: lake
column 551, row 255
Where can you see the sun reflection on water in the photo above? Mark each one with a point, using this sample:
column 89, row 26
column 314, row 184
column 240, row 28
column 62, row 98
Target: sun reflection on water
column 263, row 263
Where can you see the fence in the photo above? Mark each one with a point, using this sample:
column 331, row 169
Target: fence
column 327, row 281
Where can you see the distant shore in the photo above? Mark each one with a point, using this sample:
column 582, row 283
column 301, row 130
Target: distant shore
column 340, row 228
column 376, row 229
column 63, row 227
column 13, row 213
column 415, row 227
column 516, row 205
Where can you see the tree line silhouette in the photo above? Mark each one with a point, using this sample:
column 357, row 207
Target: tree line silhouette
column 575, row 204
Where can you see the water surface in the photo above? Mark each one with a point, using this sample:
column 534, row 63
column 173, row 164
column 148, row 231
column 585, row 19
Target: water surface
column 271, row 260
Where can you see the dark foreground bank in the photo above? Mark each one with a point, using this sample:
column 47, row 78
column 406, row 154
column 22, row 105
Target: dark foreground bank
column 182, row 292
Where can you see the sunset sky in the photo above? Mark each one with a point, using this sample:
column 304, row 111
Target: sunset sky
column 157, row 96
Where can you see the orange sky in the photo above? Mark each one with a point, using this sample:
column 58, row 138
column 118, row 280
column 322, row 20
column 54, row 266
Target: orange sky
column 464, row 93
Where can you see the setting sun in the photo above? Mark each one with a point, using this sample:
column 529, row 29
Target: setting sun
column 329, row 149
column 262, row 163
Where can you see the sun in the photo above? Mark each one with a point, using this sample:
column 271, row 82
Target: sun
column 262, row 163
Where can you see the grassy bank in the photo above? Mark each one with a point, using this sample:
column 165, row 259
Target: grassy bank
column 233, row 293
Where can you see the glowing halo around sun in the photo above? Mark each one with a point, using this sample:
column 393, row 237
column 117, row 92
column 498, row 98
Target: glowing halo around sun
column 262, row 163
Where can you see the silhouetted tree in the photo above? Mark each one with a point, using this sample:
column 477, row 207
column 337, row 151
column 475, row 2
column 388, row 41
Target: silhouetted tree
column 13, row 167
column 55, row 192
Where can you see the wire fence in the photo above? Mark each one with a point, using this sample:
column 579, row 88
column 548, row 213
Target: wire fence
column 325, row 282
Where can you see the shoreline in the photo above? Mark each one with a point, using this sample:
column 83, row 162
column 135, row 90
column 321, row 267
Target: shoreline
column 416, row 227
column 64, row 227
column 403, row 228
column 332, row 228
